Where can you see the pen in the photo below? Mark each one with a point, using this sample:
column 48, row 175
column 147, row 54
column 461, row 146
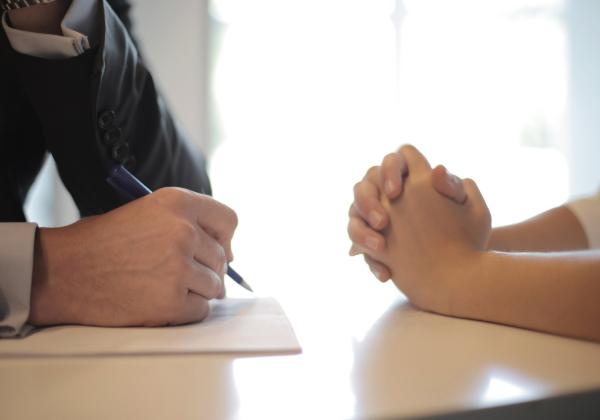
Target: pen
column 131, row 188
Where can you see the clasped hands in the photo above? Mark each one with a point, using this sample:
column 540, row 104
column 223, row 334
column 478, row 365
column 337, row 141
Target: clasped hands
column 424, row 228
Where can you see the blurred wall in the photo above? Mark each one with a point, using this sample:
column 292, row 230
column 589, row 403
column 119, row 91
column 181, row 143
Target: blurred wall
column 174, row 41
column 583, row 28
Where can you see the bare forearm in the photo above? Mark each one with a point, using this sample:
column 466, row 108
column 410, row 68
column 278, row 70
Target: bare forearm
column 42, row 18
column 554, row 292
column 555, row 230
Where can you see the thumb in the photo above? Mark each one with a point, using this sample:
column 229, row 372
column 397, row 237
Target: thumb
column 448, row 184
column 475, row 198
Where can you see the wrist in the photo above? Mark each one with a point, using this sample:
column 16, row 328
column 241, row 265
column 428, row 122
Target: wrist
column 498, row 240
column 462, row 283
column 45, row 301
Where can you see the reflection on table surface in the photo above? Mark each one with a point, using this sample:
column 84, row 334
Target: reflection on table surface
column 359, row 360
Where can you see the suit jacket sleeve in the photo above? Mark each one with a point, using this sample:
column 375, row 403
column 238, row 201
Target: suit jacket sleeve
column 102, row 108
column 91, row 112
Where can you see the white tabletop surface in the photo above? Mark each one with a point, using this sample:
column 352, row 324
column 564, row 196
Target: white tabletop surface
column 362, row 360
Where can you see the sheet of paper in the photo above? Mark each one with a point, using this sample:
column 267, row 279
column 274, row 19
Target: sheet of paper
column 234, row 326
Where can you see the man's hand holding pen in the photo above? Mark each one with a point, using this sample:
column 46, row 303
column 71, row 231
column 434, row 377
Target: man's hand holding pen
column 155, row 261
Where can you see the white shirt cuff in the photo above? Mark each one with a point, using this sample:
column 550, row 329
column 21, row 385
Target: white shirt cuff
column 587, row 211
column 16, row 268
column 79, row 28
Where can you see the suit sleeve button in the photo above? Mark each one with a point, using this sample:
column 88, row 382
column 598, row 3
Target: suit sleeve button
column 106, row 119
column 111, row 136
column 120, row 152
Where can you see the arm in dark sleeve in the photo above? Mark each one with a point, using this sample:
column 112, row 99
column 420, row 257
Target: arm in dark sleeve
column 102, row 108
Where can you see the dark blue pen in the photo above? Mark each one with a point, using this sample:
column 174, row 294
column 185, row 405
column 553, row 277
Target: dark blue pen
column 131, row 188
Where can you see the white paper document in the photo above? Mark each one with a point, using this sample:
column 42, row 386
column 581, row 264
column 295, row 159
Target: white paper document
column 234, row 326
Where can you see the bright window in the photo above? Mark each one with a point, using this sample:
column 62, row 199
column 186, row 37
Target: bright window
column 309, row 94
column 483, row 88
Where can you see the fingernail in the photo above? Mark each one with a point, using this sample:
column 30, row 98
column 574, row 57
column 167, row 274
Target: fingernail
column 389, row 187
column 375, row 218
column 377, row 274
column 372, row 243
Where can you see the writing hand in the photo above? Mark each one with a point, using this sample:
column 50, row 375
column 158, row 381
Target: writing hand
column 155, row 261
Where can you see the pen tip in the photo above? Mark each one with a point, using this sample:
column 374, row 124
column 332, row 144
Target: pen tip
column 246, row 286
column 238, row 279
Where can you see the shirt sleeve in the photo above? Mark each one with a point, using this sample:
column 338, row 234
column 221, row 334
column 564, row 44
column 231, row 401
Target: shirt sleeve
column 16, row 267
column 79, row 28
column 587, row 211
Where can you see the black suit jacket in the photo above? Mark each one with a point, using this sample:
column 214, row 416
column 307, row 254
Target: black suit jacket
column 90, row 112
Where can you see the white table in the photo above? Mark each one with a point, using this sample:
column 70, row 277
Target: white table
column 377, row 360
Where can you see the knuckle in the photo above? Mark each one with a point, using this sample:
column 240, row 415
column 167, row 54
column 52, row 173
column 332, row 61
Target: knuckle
column 407, row 148
column 168, row 193
column 363, row 192
column 172, row 197
column 388, row 160
column 162, row 193
column 225, row 214
column 352, row 235
column 221, row 259
column 205, row 201
column 350, row 230
column 359, row 197
column 472, row 188
column 232, row 218
column 215, row 286
column 183, row 232
column 216, row 257
column 211, row 283
column 373, row 172
column 353, row 230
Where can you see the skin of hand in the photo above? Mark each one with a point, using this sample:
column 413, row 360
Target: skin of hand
column 41, row 18
column 155, row 261
column 551, row 287
column 367, row 215
column 428, row 236
column 557, row 229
